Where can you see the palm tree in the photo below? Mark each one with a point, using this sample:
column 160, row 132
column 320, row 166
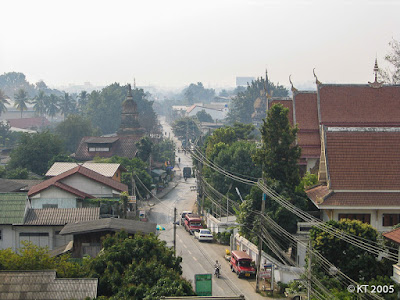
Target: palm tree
column 21, row 98
column 52, row 107
column 67, row 104
column 40, row 103
column 83, row 100
column 3, row 102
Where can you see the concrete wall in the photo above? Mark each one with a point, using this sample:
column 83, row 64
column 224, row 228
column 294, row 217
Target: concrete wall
column 376, row 216
column 7, row 237
column 216, row 225
column 88, row 186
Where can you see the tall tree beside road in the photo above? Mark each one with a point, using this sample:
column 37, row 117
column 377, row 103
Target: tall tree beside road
column 3, row 102
column 34, row 151
column 279, row 157
column 242, row 106
column 20, row 100
column 142, row 267
column 185, row 126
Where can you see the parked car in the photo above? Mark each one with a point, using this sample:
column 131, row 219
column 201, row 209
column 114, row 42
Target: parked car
column 241, row 264
column 193, row 223
column 183, row 215
column 204, row 235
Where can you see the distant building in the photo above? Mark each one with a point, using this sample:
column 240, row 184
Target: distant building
column 123, row 144
column 244, row 81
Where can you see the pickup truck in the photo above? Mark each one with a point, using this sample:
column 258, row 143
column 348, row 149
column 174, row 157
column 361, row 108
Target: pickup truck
column 203, row 235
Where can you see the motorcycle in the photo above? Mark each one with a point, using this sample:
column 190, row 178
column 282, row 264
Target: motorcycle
column 217, row 271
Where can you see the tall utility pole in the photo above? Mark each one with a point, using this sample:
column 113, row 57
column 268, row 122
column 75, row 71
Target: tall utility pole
column 175, row 231
column 259, row 247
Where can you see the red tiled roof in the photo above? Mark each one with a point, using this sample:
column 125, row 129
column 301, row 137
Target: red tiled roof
column 393, row 235
column 288, row 103
column 27, row 123
column 363, row 160
column 370, row 199
column 318, row 193
column 78, row 170
column 123, row 146
column 306, row 117
column 359, row 104
column 72, row 190
column 306, row 110
column 61, row 216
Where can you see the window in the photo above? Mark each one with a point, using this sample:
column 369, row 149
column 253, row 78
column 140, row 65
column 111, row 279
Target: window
column 99, row 149
column 365, row 218
column 0, row 235
column 390, row 219
column 50, row 206
column 31, row 234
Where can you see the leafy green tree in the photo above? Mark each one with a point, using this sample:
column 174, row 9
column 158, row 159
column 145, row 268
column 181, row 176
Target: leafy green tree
column 279, row 154
column 7, row 137
column 141, row 267
column 52, row 106
column 185, row 125
column 145, row 148
column 242, row 106
column 203, row 116
column 17, row 173
column 72, row 130
column 40, row 102
column 11, row 82
column 164, row 151
column 34, row 151
column 21, row 98
column 3, row 102
column 32, row 257
column 356, row 263
column 197, row 93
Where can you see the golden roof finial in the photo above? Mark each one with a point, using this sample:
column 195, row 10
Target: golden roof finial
column 294, row 90
column 316, row 78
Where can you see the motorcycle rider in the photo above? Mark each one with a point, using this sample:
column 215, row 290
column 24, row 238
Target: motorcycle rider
column 217, row 268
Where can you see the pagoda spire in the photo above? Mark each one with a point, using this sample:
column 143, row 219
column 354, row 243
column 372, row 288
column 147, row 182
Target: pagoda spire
column 376, row 84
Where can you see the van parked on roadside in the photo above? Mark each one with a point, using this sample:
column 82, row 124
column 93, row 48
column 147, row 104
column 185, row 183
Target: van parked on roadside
column 241, row 264
column 193, row 223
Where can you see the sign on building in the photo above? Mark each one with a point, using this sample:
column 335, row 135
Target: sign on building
column 131, row 199
column 203, row 284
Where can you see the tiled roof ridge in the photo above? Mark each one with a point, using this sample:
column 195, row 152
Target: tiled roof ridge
column 356, row 85
column 83, row 171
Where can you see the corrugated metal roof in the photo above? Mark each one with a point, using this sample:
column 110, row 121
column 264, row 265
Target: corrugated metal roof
column 61, row 216
column 7, row 186
column 43, row 284
column 130, row 226
column 105, row 169
column 12, row 208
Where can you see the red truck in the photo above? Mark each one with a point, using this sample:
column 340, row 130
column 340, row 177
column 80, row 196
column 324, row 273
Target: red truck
column 193, row 223
column 241, row 264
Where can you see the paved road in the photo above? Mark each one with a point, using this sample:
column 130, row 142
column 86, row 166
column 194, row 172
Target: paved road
column 197, row 258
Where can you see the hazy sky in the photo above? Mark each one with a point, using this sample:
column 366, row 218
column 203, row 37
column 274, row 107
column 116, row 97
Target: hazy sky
column 172, row 43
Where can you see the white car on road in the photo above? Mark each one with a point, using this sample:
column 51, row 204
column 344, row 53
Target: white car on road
column 203, row 235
